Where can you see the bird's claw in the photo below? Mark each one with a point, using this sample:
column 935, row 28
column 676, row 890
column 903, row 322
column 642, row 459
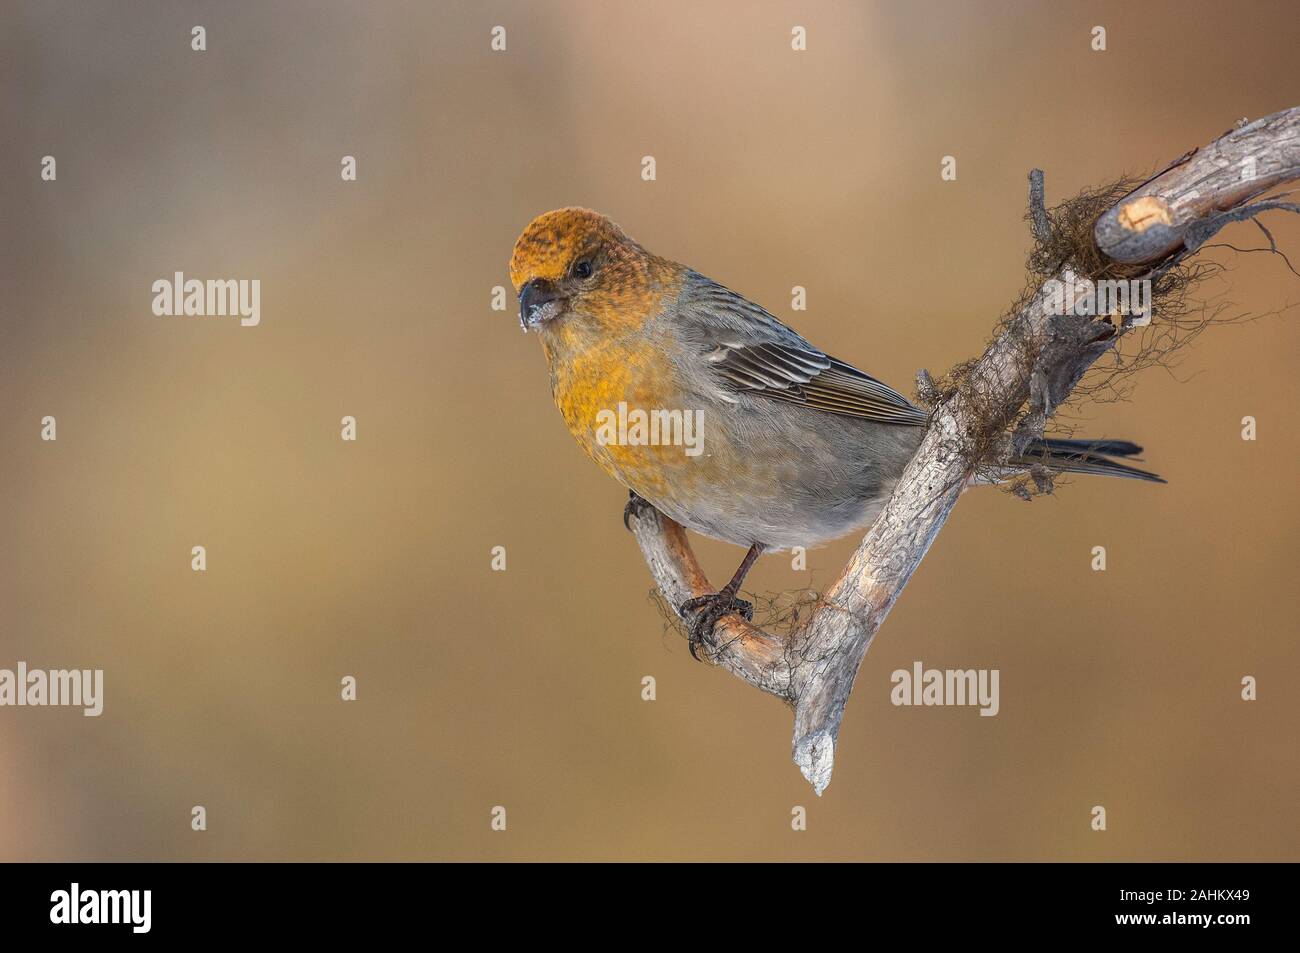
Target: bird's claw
column 703, row 612
column 636, row 506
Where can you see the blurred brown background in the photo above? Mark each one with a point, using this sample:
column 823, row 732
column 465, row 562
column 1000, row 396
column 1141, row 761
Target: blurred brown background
column 522, row 688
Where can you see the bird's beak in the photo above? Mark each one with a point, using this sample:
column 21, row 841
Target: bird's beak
column 539, row 302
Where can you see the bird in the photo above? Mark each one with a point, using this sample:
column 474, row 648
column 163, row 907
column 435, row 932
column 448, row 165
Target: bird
column 795, row 447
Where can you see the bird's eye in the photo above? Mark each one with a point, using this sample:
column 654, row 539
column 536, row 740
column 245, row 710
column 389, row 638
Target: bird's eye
column 582, row 269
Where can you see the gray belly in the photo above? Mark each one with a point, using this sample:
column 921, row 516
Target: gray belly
column 786, row 475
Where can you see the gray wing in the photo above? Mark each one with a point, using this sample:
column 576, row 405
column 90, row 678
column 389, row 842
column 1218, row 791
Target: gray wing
column 750, row 351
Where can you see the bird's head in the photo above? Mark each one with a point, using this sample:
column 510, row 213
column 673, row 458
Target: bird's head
column 576, row 262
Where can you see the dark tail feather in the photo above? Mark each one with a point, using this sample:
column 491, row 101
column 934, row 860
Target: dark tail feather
column 1087, row 456
column 1107, row 448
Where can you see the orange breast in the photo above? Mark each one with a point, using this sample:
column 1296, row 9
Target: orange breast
column 590, row 379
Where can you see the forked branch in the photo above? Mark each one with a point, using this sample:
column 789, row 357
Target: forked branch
column 1033, row 364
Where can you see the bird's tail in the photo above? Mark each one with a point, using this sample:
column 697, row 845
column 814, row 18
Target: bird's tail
column 1087, row 456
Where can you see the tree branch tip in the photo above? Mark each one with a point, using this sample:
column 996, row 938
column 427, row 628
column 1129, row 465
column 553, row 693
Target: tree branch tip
column 1039, row 223
column 815, row 756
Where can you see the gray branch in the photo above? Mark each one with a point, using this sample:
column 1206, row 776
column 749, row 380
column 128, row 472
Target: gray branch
column 813, row 668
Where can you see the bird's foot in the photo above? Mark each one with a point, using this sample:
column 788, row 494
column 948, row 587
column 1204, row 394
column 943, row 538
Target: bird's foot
column 636, row 506
column 703, row 612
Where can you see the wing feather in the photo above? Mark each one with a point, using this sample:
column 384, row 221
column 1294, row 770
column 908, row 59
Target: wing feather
column 751, row 352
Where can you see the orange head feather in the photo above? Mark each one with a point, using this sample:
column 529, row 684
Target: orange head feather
column 576, row 262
